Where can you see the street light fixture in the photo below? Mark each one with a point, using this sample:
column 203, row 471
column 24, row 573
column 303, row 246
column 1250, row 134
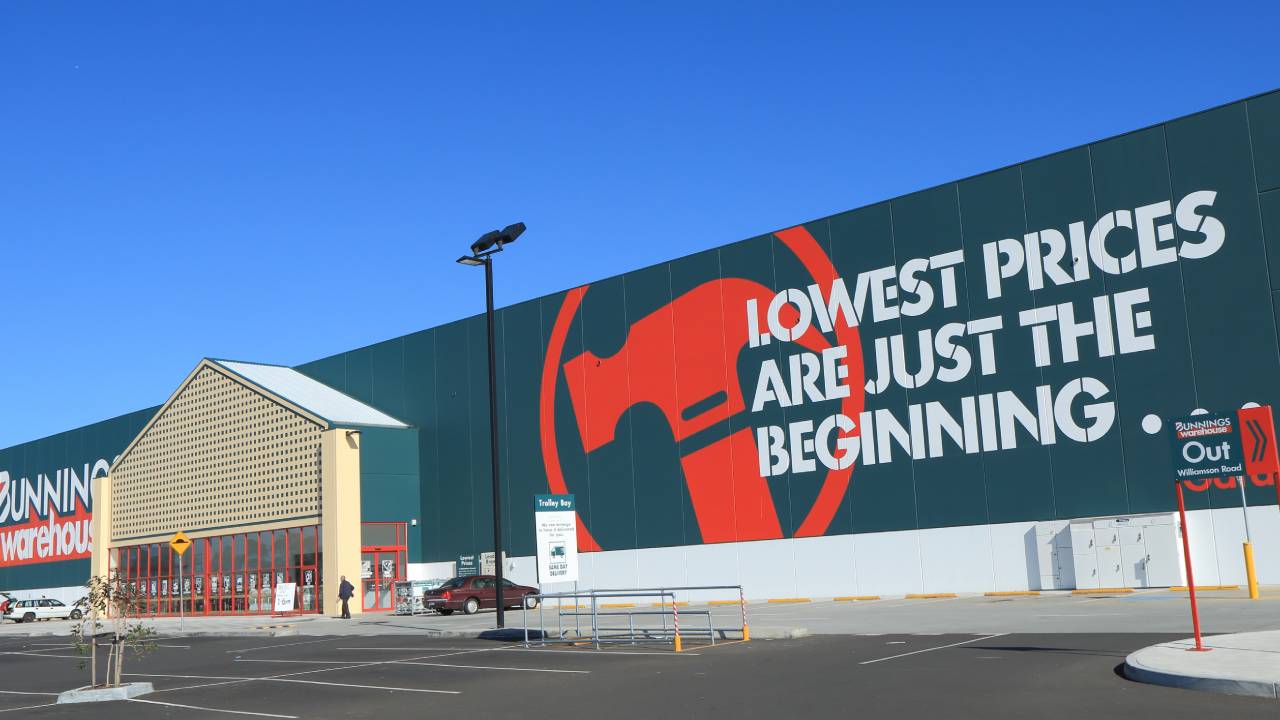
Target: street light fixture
column 481, row 252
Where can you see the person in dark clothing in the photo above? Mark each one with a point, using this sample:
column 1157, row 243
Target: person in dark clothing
column 345, row 591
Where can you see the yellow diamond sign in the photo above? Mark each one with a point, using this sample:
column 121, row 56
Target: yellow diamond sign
column 180, row 542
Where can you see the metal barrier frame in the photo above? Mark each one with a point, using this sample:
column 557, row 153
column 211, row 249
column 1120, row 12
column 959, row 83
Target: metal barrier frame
column 604, row 634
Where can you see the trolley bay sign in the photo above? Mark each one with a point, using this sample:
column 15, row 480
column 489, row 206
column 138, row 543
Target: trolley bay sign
column 556, row 528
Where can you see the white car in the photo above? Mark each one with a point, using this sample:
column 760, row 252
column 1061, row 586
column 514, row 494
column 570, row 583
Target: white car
column 41, row 609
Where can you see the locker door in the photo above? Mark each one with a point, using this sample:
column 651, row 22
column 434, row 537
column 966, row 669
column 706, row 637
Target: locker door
column 1086, row 571
column 1133, row 563
column 1065, row 562
column 1131, row 535
column 1110, row 567
column 1164, row 568
column 1081, row 539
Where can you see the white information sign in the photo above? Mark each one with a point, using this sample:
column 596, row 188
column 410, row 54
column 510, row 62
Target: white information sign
column 555, row 523
column 284, row 597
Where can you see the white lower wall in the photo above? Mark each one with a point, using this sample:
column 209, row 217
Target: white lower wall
column 68, row 595
column 969, row 559
column 974, row 558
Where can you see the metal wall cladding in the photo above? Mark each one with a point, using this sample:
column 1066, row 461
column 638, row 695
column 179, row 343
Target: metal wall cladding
column 74, row 450
column 636, row 393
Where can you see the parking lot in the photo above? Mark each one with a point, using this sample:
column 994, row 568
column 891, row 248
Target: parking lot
column 952, row 675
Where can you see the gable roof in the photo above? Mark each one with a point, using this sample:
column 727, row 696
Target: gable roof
column 320, row 403
column 323, row 401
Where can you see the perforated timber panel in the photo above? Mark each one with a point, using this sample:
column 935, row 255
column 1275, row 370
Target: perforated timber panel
column 221, row 455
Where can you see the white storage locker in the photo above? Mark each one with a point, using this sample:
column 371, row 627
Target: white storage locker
column 1110, row 567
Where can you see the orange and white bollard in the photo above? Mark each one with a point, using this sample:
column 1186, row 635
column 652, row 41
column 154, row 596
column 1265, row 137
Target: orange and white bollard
column 675, row 620
column 746, row 629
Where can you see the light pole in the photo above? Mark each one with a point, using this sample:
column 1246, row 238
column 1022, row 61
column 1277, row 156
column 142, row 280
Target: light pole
column 482, row 251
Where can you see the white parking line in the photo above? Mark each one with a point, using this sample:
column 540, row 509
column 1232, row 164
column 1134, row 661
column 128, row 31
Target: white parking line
column 382, row 662
column 201, row 685
column 40, row 655
column 600, row 653
column 492, row 667
column 193, row 677
column 365, row 687
column 305, row 662
column 27, row 707
column 410, row 649
column 940, row 647
column 230, row 680
column 210, row 709
column 267, row 647
column 281, row 679
column 24, row 692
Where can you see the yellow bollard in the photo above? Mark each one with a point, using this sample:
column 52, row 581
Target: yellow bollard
column 1250, row 573
column 678, row 643
column 746, row 633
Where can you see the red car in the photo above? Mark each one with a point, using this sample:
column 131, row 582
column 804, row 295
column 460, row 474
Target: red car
column 470, row 594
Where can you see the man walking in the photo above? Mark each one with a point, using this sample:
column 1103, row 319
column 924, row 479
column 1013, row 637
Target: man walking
column 345, row 591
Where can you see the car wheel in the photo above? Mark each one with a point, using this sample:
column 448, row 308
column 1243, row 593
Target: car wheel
column 29, row 617
column 445, row 611
column 76, row 614
column 530, row 602
column 471, row 606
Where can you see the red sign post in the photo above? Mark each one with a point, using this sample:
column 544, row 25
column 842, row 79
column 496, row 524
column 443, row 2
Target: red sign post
column 1191, row 581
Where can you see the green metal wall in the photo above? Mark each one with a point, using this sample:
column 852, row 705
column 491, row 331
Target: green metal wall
column 1214, row 321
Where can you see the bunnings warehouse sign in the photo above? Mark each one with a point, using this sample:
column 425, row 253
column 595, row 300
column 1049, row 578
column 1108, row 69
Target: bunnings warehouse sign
column 1207, row 446
column 47, row 517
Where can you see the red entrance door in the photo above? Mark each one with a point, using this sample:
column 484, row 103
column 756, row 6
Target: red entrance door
column 383, row 556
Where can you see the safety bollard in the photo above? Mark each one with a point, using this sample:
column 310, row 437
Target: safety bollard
column 675, row 622
column 1250, row 572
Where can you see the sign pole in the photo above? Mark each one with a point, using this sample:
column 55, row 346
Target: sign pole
column 1250, row 572
column 1191, row 581
column 179, row 545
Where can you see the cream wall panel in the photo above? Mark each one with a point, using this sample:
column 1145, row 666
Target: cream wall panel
column 219, row 458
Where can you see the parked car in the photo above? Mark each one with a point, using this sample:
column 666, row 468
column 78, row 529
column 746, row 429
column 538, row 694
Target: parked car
column 41, row 609
column 470, row 594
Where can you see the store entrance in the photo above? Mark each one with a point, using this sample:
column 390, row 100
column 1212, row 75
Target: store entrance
column 383, row 557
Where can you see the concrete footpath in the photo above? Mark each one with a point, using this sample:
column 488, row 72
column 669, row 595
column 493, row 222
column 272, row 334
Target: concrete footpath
column 1237, row 664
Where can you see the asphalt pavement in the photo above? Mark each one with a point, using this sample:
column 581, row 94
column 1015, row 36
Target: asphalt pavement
column 871, row 676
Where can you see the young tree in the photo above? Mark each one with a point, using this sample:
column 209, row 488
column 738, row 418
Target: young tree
column 112, row 604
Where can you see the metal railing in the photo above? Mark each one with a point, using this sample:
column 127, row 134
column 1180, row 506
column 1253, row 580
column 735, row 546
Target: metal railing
column 604, row 615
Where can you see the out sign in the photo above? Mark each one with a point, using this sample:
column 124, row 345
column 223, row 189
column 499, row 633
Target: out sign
column 1206, row 446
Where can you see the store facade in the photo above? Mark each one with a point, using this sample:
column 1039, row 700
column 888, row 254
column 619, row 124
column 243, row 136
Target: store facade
column 260, row 466
column 918, row 395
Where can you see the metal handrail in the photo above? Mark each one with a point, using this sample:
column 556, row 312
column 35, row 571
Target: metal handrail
column 601, row 634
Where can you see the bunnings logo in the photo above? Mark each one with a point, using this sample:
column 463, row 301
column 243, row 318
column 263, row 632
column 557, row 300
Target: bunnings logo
column 47, row 518
column 683, row 359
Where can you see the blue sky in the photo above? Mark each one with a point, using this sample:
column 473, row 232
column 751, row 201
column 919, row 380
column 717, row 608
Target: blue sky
column 283, row 181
